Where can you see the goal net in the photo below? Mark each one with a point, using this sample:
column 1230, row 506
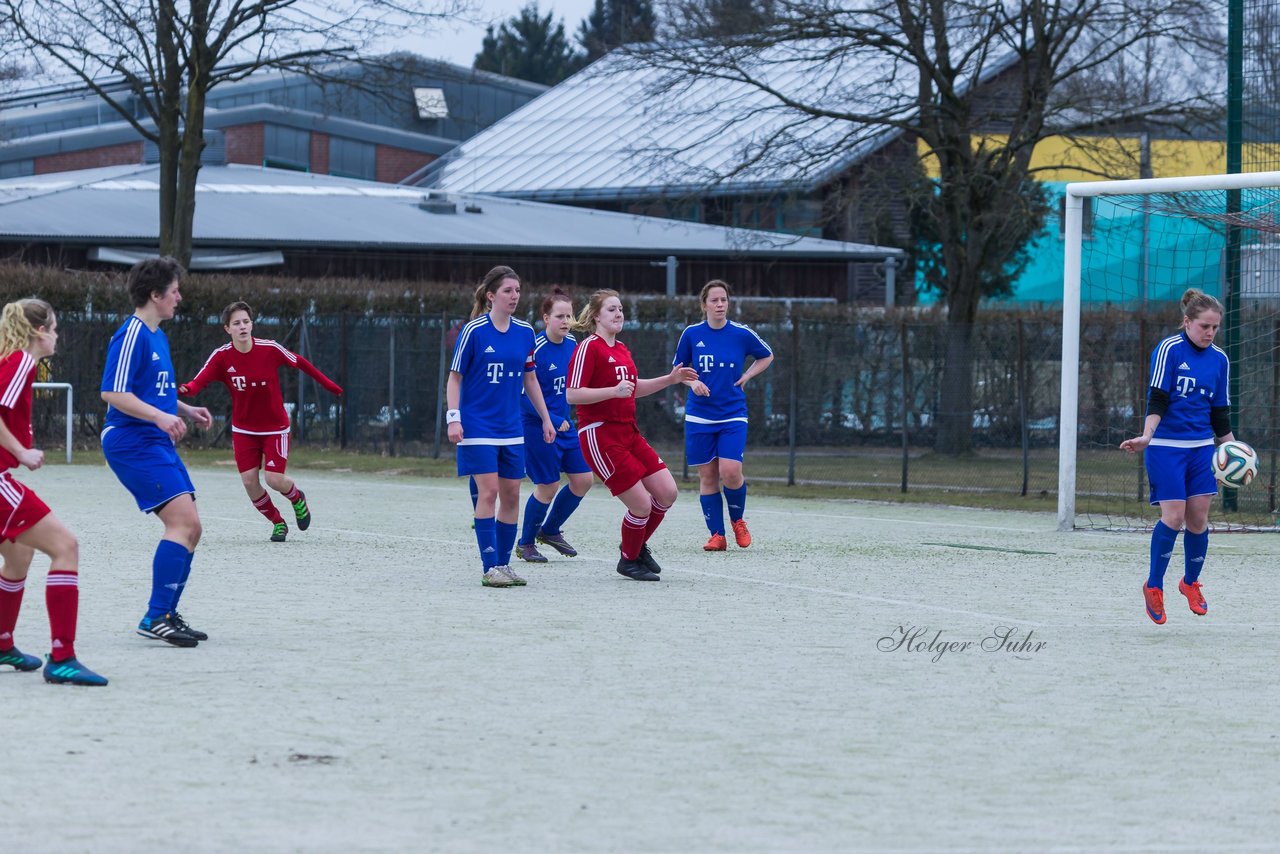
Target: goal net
column 1131, row 249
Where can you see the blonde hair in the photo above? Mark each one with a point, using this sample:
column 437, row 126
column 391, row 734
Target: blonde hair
column 489, row 285
column 19, row 322
column 1196, row 302
column 586, row 320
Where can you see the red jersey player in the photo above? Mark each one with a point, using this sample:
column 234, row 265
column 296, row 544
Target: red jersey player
column 249, row 368
column 29, row 333
column 602, row 383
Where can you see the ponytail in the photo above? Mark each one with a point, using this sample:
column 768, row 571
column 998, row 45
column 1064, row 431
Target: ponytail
column 488, row 285
column 19, row 322
column 1196, row 302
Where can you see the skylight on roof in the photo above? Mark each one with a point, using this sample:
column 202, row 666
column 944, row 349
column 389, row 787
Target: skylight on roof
column 431, row 103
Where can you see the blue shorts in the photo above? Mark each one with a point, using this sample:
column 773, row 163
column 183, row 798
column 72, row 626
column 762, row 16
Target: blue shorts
column 543, row 462
column 1177, row 474
column 148, row 465
column 506, row 460
column 706, row 442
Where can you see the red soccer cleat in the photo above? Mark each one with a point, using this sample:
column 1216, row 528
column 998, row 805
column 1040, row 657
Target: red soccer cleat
column 1195, row 599
column 717, row 543
column 1155, row 603
column 740, row 533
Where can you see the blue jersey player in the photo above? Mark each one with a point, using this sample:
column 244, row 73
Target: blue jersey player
column 492, row 362
column 715, row 415
column 144, row 421
column 547, row 510
column 1187, row 409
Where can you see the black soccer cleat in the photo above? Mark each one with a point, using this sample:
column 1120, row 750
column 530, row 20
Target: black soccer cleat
column 636, row 571
column 646, row 558
column 182, row 626
column 278, row 532
column 163, row 628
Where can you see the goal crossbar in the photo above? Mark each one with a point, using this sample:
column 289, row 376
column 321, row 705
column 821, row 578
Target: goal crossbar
column 1073, row 228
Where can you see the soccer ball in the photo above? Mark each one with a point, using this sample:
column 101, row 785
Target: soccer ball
column 1235, row 464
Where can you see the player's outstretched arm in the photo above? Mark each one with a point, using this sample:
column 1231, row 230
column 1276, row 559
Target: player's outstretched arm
column 679, row 374
column 1137, row 443
column 199, row 414
column 207, row 374
column 318, row 375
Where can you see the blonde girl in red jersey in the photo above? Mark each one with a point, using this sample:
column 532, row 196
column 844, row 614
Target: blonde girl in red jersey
column 603, row 384
column 249, row 368
column 29, row 333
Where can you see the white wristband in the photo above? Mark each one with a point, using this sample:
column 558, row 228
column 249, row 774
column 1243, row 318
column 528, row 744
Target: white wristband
column 453, row 416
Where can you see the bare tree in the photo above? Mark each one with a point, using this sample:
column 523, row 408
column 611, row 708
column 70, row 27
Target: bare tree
column 156, row 62
column 975, row 85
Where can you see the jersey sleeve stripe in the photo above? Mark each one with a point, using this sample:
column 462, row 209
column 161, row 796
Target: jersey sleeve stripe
column 1162, row 360
column 18, row 382
column 763, row 343
column 578, row 361
column 127, row 345
column 288, row 354
column 463, row 337
column 212, row 356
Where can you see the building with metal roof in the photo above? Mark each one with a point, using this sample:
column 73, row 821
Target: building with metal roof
column 307, row 225
column 628, row 135
column 379, row 121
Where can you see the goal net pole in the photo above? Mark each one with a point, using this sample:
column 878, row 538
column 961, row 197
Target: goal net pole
column 1073, row 247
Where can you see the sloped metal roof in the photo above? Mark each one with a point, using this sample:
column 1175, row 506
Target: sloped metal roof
column 252, row 207
column 625, row 128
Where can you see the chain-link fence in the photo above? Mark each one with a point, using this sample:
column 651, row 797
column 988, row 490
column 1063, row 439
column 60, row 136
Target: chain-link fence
column 852, row 399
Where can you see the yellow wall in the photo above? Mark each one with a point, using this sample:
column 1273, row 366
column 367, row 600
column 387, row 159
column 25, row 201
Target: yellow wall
column 1061, row 159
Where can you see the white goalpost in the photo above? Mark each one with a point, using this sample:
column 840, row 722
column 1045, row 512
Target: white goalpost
column 1198, row 199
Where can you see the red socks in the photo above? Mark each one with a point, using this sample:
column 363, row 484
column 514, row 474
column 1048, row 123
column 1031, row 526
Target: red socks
column 10, row 604
column 633, row 535
column 657, row 513
column 264, row 506
column 62, row 596
column 293, row 495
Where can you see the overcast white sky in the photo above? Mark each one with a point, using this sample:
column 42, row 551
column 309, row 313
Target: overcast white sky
column 461, row 43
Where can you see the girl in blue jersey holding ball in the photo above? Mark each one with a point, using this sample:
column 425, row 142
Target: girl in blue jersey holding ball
column 543, row 516
column 1187, row 408
column 715, row 415
column 492, row 362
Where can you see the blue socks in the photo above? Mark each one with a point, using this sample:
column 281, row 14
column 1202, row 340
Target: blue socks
column 168, row 573
column 475, row 492
column 505, row 536
column 1162, row 540
column 561, row 509
column 534, row 512
column 737, row 501
column 186, row 573
column 713, row 512
column 1194, row 547
column 487, row 542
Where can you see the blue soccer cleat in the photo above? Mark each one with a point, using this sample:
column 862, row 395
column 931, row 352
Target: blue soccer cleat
column 19, row 660
column 71, row 672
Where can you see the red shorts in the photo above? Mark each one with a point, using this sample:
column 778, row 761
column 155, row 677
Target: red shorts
column 618, row 454
column 20, row 508
column 268, row 452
